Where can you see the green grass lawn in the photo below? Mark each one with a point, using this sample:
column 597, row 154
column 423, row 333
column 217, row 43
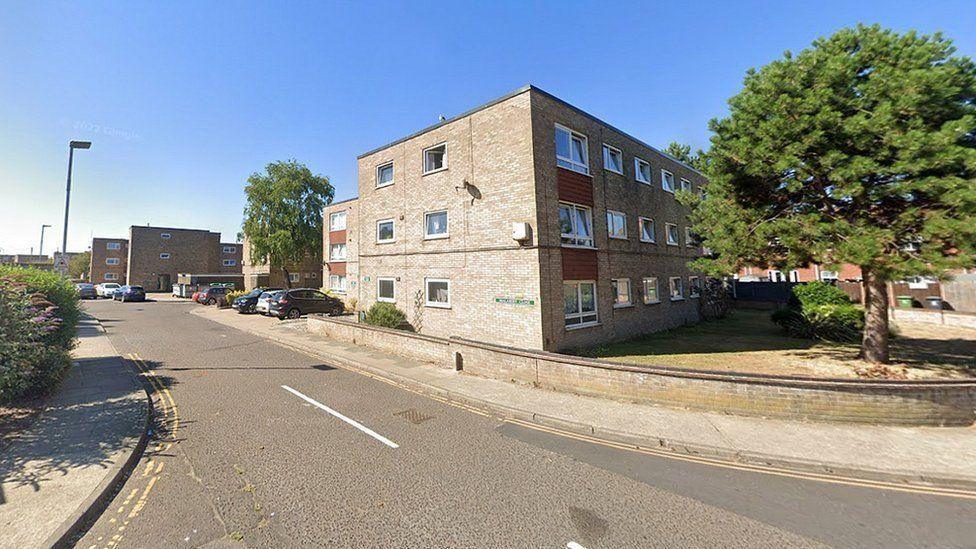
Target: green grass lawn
column 747, row 341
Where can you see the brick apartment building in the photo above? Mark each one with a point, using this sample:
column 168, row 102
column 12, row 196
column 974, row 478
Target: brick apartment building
column 307, row 274
column 152, row 257
column 109, row 260
column 525, row 222
column 846, row 273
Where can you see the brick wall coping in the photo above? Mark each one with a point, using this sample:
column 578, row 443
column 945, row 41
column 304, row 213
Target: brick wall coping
column 392, row 331
column 920, row 310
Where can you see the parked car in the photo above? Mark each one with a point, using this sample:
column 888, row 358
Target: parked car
column 264, row 300
column 248, row 302
column 302, row 301
column 129, row 293
column 86, row 291
column 211, row 295
column 106, row 289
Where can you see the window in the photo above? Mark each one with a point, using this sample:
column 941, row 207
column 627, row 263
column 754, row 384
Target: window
column 294, row 277
column 165, row 235
column 337, row 252
column 571, row 150
column 616, row 224
column 646, row 227
column 230, row 249
column 384, row 177
column 579, row 303
column 337, row 221
column 776, row 276
column 435, row 159
column 621, row 292
column 111, row 276
column 650, row 290
column 677, row 289
column 828, row 276
column 337, row 283
column 386, row 289
column 794, row 275
column 230, row 262
column 613, row 159
column 384, row 231
column 113, row 246
column 164, row 255
column 576, row 225
column 435, row 224
column 309, row 276
column 667, row 181
column 642, row 171
column 112, row 261
column 691, row 239
column 685, row 185
column 438, row 292
column 694, row 287
column 672, row 230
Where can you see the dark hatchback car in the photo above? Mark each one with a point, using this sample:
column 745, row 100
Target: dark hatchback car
column 302, row 301
column 129, row 293
column 211, row 295
column 247, row 302
column 86, row 291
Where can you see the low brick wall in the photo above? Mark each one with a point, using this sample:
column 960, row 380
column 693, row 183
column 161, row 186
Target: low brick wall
column 929, row 316
column 929, row 402
column 399, row 342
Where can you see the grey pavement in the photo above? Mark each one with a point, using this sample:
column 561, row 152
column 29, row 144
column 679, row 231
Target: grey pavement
column 915, row 455
column 238, row 459
column 53, row 471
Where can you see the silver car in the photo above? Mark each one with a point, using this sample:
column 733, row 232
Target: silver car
column 262, row 305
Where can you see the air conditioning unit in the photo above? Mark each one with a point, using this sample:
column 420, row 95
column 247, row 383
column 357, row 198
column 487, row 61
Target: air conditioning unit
column 521, row 231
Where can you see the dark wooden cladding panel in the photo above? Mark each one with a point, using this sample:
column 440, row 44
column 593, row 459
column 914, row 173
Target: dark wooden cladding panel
column 337, row 268
column 337, row 237
column 574, row 187
column 579, row 264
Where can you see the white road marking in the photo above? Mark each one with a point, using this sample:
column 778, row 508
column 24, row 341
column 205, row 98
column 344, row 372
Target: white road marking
column 350, row 421
column 574, row 545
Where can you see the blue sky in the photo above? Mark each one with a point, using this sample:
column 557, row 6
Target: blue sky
column 183, row 102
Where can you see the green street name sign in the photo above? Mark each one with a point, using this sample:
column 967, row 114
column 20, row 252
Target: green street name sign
column 515, row 301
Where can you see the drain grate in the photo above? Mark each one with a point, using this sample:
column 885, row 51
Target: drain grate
column 414, row 416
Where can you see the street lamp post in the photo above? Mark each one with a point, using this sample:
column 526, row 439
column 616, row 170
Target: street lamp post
column 63, row 267
column 40, row 250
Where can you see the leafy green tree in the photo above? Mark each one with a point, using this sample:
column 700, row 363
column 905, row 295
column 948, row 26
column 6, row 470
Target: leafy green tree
column 283, row 214
column 78, row 266
column 684, row 154
column 860, row 149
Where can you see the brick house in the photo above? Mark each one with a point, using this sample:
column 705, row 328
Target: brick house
column 307, row 274
column 846, row 273
column 525, row 222
column 109, row 260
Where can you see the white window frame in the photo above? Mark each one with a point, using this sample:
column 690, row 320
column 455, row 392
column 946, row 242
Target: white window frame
column 577, row 240
column 332, row 221
column 111, row 276
column 230, row 249
column 611, row 216
column 638, row 175
column 447, row 226
column 665, row 174
column 595, row 313
column 776, row 275
column 608, row 151
column 335, row 285
column 392, row 222
column 165, row 235
column 391, row 280
column 615, row 284
column 689, row 241
column 568, row 163
column 113, row 245
column 294, row 277
column 393, row 179
column 667, row 234
column 165, row 255
column 332, row 255
column 671, row 288
column 692, row 280
column 444, row 162
column 641, row 223
column 111, row 261
column 827, row 276
column 657, row 290
column 686, row 185
column 436, row 304
column 230, row 263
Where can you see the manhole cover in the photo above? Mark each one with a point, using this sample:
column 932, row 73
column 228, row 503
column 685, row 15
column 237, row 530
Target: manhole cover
column 414, row 416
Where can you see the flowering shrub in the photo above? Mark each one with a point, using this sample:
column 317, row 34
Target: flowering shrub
column 36, row 333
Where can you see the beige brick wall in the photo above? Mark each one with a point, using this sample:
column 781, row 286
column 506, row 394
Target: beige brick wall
column 260, row 275
column 191, row 251
column 100, row 254
column 351, row 237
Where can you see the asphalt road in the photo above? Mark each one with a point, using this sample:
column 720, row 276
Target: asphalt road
column 263, row 446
